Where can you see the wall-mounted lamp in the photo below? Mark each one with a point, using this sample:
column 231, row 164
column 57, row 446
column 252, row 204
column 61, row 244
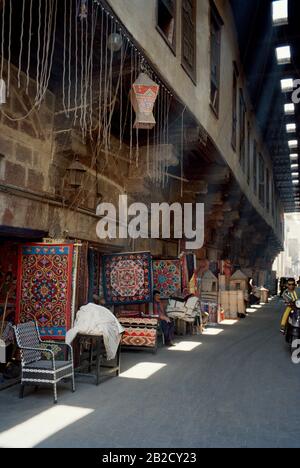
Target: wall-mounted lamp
column 76, row 173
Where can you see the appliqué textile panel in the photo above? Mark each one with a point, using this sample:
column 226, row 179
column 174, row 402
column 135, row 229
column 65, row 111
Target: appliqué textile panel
column 8, row 278
column 167, row 277
column 127, row 278
column 95, row 274
column 82, row 276
column 45, row 288
column 140, row 333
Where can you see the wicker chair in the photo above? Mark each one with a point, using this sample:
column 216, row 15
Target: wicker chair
column 35, row 370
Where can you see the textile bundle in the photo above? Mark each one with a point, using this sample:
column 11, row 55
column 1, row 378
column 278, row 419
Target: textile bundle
column 98, row 321
column 44, row 289
column 139, row 332
column 167, row 277
column 127, row 278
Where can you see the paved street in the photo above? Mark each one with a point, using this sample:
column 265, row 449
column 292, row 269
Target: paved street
column 230, row 388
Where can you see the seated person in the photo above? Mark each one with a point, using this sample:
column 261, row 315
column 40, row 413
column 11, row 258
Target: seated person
column 166, row 323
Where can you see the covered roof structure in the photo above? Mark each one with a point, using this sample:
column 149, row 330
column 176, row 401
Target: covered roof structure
column 259, row 35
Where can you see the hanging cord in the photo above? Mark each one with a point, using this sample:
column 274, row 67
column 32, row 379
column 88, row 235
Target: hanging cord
column 3, row 39
column 9, row 49
column 182, row 150
column 131, row 109
column 91, row 67
column 70, row 56
column 65, row 58
column 44, row 56
column 100, row 80
column 29, row 47
column 86, row 75
column 21, row 45
column 76, row 69
column 40, row 98
column 44, row 83
column 121, row 95
column 38, row 50
column 81, row 71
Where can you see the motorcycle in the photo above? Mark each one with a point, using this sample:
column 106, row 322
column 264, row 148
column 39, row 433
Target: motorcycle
column 293, row 326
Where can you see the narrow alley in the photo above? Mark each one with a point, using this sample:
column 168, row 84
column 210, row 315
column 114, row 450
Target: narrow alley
column 233, row 387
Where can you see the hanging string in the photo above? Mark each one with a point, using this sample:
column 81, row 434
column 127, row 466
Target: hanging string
column 29, row 47
column 44, row 56
column 86, row 74
column 94, row 23
column 162, row 149
column 38, row 49
column 47, row 68
column 9, row 49
column 70, row 56
column 53, row 35
column 112, row 31
column 157, row 141
column 182, row 151
column 82, row 73
column 3, row 36
column 106, row 84
column 100, row 81
column 148, row 152
column 131, row 108
column 21, row 44
column 121, row 95
column 76, row 69
column 38, row 100
column 65, row 58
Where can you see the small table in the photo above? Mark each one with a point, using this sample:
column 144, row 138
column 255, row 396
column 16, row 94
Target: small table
column 96, row 359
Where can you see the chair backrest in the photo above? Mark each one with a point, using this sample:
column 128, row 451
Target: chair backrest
column 27, row 336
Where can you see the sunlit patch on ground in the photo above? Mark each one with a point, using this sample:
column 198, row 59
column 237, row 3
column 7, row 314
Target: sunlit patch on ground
column 213, row 331
column 185, row 346
column 39, row 428
column 228, row 322
column 142, row 371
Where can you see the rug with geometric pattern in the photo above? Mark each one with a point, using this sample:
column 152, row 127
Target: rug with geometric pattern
column 127, row 278
column 44, row 291
column 167, row 277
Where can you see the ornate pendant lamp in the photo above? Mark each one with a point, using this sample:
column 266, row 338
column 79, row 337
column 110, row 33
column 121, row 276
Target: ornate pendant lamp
column 143, row 96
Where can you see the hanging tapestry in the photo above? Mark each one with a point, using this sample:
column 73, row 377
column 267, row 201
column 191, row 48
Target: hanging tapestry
column 45, row 288
column 8, row 279
column 95, row 274
column 127, row 278
column 167, row 277
column 82, row 276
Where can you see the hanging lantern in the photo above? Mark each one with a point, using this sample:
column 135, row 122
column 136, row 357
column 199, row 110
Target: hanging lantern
column 2, row 92
column 76, row 173
column 143, row 96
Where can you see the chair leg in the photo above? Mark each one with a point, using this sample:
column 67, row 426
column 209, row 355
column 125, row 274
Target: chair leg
column 21, row 394
column 118, row 361
column 73, row 382
column 55, row 393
